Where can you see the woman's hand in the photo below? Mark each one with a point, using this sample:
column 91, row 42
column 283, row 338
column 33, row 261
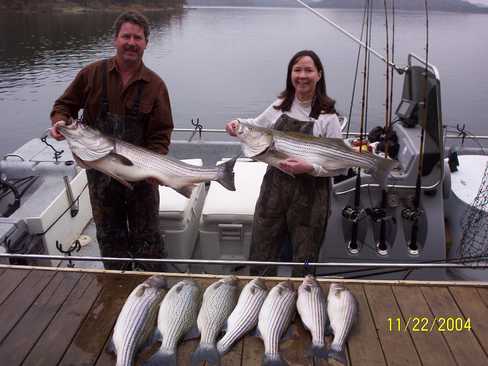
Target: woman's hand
column 296, row 166
column 55, row 133
column 231, row 127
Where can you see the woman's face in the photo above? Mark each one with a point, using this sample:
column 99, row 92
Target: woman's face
column 304, row 77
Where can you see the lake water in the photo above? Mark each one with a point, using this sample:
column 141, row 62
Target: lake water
column 221, row 63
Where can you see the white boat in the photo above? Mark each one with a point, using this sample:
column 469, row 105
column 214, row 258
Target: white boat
column 394, row 233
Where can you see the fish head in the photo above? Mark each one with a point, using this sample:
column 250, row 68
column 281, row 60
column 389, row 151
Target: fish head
column 86, row 143
column 284, row 287
column 254, row 140
column 257, row 285
column 309, row 283
column 336, row 289
column 157, row 281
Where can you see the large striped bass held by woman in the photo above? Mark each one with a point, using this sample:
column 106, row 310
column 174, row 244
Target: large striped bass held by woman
column 312, row 307
column 332, row 154
column 129, row 163
column 245, row 315
column 137, row 319
column 274, row 319
column 343, row 310
column 219, row 300
column 177, row 315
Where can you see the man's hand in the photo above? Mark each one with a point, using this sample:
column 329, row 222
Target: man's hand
column 296, row 166
column 56, row 134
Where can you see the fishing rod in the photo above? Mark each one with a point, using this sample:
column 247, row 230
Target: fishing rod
column 415, row 214
column 355, row 214
column 380, row 214
column 400, row 70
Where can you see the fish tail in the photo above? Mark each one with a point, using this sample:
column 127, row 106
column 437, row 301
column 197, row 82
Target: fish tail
column 160, row 358
column 273, row 360
column 382, row 170
column 226, row 174
column 207, row 352
column 337, row 357
column 318, row 351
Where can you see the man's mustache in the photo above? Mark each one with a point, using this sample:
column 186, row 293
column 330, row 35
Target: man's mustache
column 130, row 48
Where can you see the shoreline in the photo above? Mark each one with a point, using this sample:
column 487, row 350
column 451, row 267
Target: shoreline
column 75, row 9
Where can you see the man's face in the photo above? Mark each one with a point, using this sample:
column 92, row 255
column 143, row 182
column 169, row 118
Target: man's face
column 130, row 43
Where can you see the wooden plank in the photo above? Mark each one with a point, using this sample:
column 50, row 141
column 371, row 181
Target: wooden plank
column 430, row 344
column 483, row 292
column 293, row 350
column 25, row 334
column 90, row 339
column 364, row 344
column 57, row 337
column 397, row 346
column 185, row 350
column 9, row 280
column 252, row 351
column 464, row 346
column 472, row 307
column 15, row 306
column 234, row 356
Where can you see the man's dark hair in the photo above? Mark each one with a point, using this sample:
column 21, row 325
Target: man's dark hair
column 133, row 17
column 321, row 103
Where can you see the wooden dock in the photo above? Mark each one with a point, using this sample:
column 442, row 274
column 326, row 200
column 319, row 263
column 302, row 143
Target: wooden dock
column 65, row 317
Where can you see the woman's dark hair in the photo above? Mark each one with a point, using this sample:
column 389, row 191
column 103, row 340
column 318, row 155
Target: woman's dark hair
column 321, row 103
column 133, row 17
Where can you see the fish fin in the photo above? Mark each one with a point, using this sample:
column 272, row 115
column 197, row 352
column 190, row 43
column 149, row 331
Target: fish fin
column 226, row 174
column 382, row 170
column 336, row 357
column 80, row 162
column 288, row 334
column 224, row 327
column 160, row 358
column 205, row 352
column 185, row 190
column 329, row 332
column 273, row 360
column 122, row 159
column 111, row 347
column 255, row 332
column 193, row 333
column 156, row 336
column 318, row 351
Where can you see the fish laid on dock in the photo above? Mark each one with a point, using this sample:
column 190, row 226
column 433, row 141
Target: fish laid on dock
column 218, row 302
column 245, row 315
column 332, row 154
column 274, row 319
column 177, row 315
column 343, row 310
column 129, row 163
column 312, row 307
column 137, row 319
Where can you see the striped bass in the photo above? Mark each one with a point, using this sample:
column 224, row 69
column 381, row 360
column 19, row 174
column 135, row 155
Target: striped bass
column 137, row 319
column 129, row 163
column 312, row 307
column 177, row 315
column 245, row 315
column 219, row 300
column 274, row 319
column 342, row 308
column 332, row 154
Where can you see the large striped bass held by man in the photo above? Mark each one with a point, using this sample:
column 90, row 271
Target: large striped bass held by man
column 274, row 319
column 333, row 155
column 312, row 307
column 177, row 316
column 137, row 319
column 219, row 300
column 129, row 163
column 342, row 308
column 244, row 317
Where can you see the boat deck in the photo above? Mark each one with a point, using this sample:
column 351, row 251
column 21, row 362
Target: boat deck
column 65, row 317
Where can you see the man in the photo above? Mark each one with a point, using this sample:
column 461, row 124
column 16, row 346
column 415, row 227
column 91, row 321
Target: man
column 123, row 98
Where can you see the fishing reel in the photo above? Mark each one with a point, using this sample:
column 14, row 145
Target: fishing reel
column 353, row 214
column 412, row 214
column 378, row 214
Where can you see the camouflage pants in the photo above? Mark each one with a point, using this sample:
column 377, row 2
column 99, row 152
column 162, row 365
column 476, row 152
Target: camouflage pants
column 288, row 208
column 126, row 220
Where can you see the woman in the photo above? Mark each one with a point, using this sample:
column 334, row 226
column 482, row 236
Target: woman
column 294, row 208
